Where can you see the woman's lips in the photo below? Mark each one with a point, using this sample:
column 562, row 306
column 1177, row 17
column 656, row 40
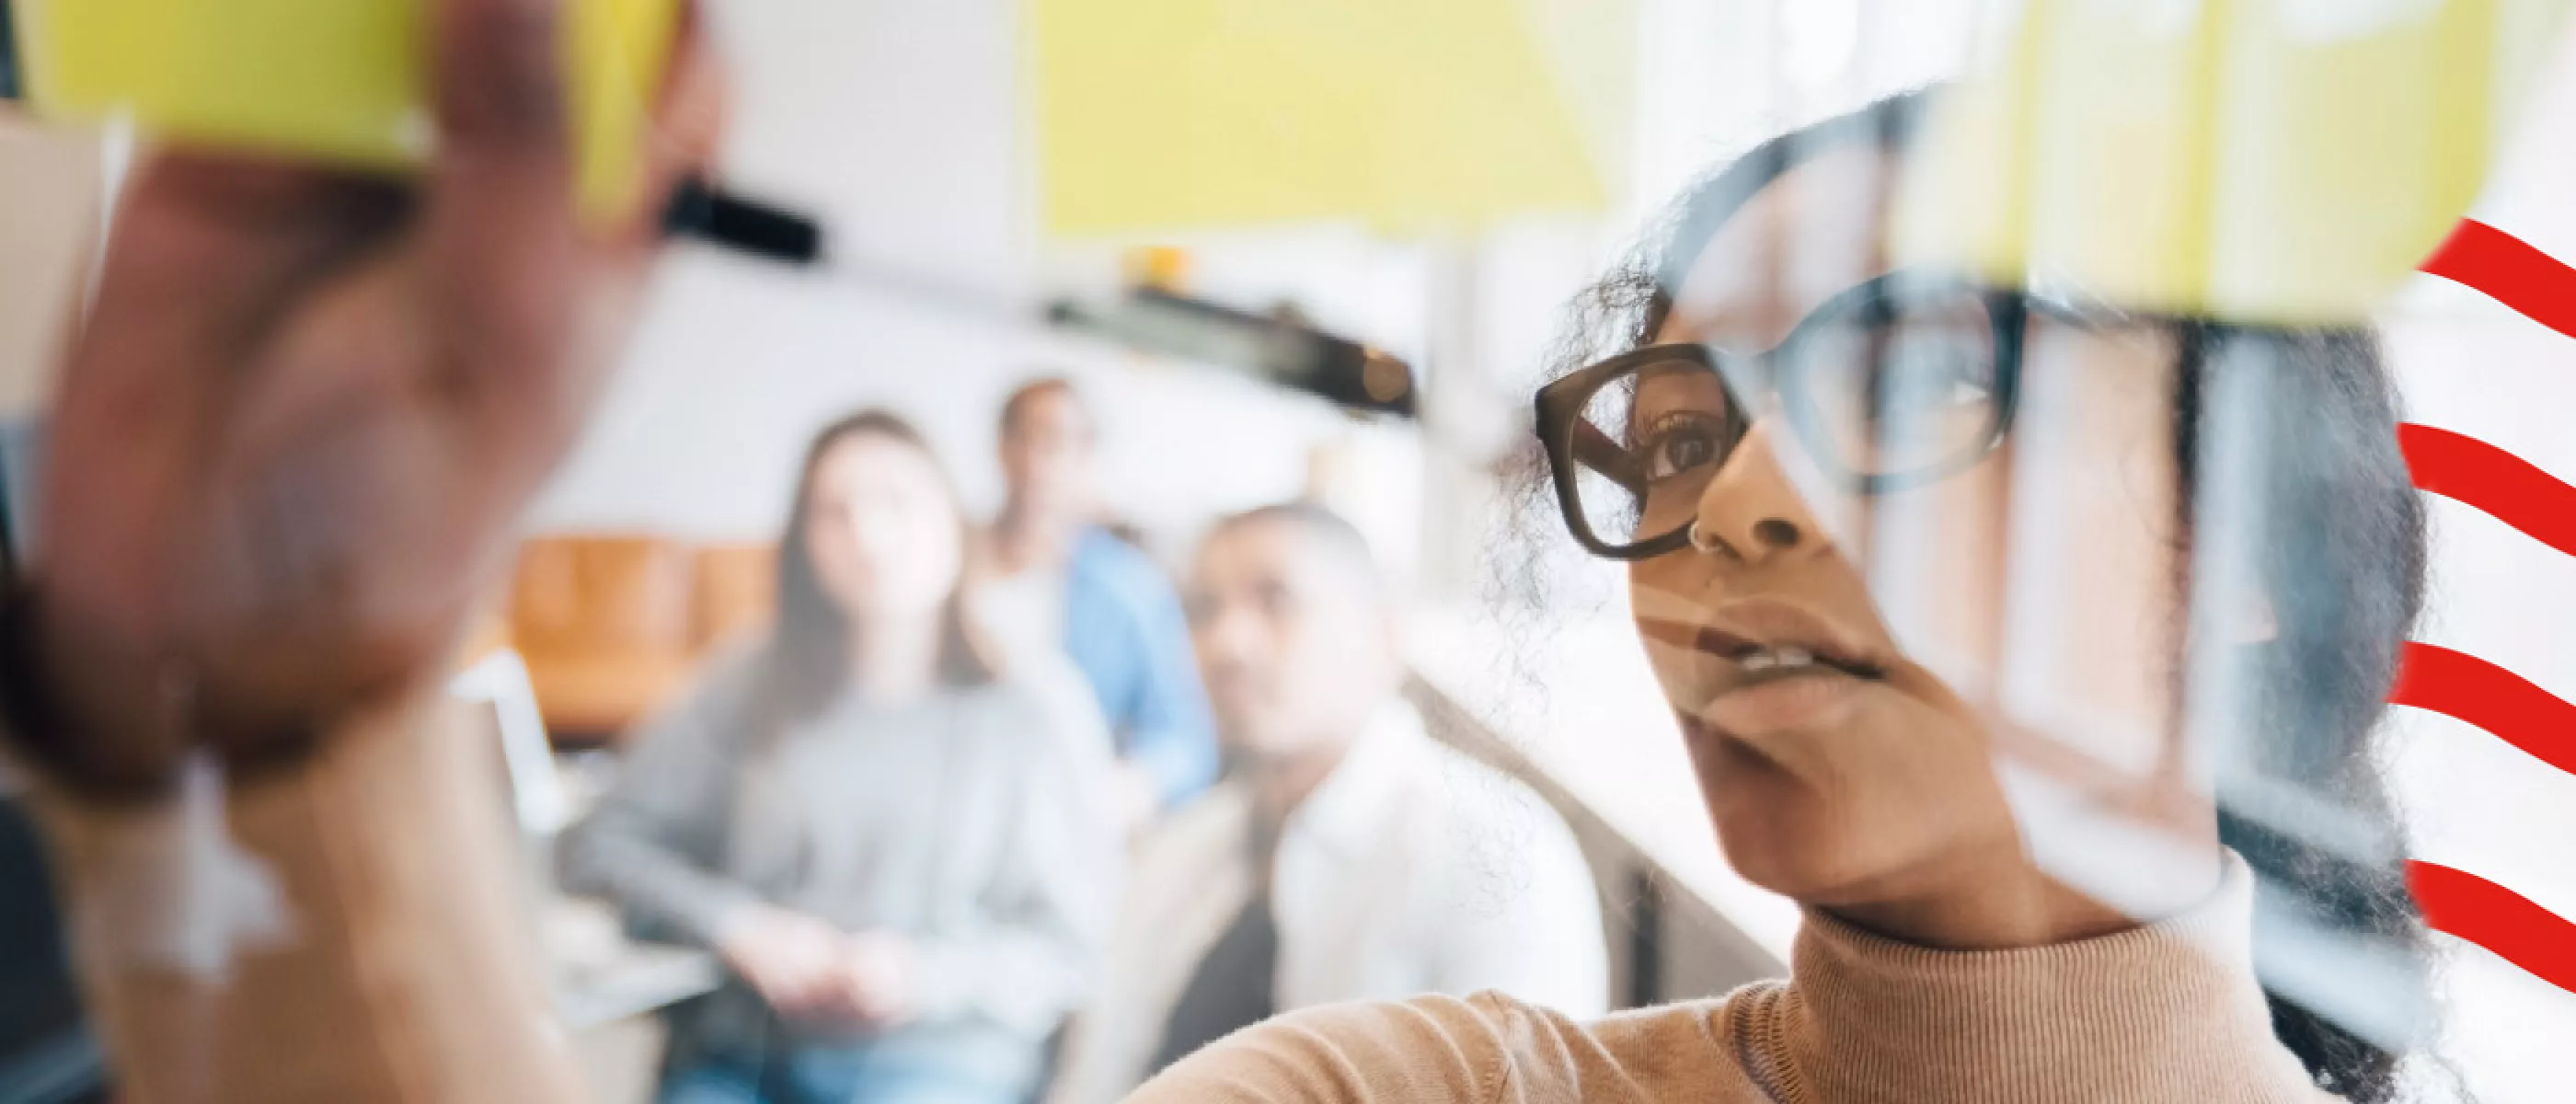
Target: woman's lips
column 1771, row 694
column 1747, row 627
column 1779, row 623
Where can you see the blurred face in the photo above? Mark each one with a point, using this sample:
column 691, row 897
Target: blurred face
column 1855, row 672
column 1046, row 454
column 1294, row 644
column 884, row 533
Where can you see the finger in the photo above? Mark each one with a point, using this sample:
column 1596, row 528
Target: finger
column 498, row 100
column 688, row 123
column 244, row 224
column 801, row 991
column 209, row 253
column 206, row 248
column 504, row 261
column 825, row 996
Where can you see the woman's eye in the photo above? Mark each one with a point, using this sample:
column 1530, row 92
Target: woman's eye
column 1681, row 443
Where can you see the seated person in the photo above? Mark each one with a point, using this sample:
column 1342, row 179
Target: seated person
column 1056, row 582
column 1346, row 854
column 888, row 846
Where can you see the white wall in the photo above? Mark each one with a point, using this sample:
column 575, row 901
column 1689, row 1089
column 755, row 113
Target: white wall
column 738, row 362
column 2472, row 801
column 899, row 123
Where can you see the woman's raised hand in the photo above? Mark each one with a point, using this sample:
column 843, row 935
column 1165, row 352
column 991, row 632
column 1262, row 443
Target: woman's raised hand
column 296, row 431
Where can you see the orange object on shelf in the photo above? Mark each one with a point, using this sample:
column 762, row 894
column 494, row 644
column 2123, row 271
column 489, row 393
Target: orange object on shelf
column 612, row 625
column 733, row 592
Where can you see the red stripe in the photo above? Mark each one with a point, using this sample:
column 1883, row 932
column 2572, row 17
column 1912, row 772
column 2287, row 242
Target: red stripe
column 2466, row 688
column 2497, row 919
column 2477, row 474
column 2510, row 271
column 2454, row 684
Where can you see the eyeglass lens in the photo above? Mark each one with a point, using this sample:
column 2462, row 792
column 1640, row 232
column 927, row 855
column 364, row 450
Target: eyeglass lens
column 1877, row 388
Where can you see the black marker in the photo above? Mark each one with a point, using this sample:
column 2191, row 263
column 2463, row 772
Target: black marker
column 703, row 211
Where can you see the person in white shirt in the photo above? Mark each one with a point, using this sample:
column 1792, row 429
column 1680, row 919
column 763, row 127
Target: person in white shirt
column 1345, row 854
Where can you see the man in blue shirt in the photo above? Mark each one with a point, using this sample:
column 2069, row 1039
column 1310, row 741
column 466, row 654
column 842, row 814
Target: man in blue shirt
column 1056, row 575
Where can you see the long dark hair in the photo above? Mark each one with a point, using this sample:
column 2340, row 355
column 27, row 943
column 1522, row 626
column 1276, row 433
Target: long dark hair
column 2342, row 558
column 806, row 660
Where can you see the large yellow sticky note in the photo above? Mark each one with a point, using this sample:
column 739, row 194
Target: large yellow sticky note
column 1411, row 114
column 342, row 80
column 2282, row 161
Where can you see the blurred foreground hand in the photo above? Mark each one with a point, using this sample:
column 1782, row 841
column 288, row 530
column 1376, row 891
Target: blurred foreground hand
column 307, row 408
column 291, row 442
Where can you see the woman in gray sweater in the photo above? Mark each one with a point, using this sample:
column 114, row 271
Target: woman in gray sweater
column 907, row 870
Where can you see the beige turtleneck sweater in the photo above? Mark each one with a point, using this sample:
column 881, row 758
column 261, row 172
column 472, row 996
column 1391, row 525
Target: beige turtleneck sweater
column 2164, row 1013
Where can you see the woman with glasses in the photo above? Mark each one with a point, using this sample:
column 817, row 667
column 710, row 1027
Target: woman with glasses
column 2034, row 648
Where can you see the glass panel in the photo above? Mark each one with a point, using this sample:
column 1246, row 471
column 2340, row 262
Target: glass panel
column 1900, row 386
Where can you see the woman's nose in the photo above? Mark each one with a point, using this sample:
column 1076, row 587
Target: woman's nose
column 1750, row 510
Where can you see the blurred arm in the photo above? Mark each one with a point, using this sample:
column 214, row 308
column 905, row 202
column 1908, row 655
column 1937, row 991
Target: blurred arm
column 1161, row 714
column 387, row 954
column 1425, row 1049
column 653, row 842
column 1030, row 956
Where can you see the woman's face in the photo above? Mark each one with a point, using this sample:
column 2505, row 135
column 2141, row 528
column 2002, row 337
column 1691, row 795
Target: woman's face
column 885, row 536
column 1841, row 664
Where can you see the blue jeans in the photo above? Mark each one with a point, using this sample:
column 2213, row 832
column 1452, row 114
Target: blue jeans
column 842, row 1075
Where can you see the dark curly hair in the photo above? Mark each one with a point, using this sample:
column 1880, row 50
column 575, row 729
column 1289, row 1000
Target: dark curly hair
column 2338, row 548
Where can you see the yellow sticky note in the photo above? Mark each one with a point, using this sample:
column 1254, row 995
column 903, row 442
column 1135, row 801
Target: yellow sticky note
column 340, row 80
column 2279, row 161
column 1413, row 115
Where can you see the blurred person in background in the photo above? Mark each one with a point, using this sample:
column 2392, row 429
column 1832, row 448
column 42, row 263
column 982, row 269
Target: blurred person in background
column 1762, row 366
column 881, row 838
column 1050, row 574
column 1346, row 854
